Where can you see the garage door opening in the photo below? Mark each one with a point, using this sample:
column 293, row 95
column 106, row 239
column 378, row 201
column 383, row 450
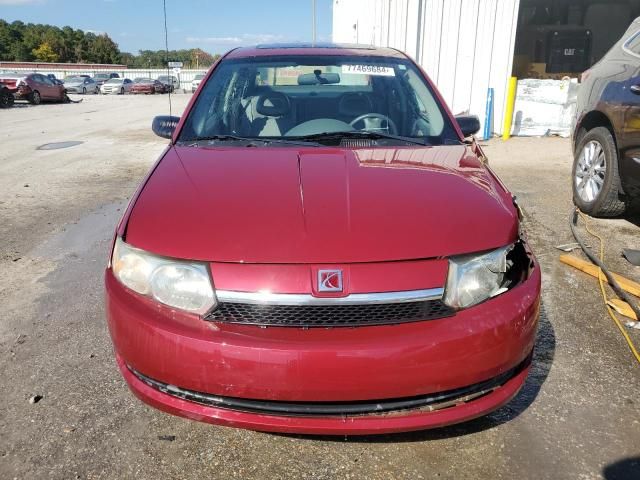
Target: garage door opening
column 563, row 38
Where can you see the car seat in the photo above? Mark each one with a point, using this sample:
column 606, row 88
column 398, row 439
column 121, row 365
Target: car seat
column 271, row 115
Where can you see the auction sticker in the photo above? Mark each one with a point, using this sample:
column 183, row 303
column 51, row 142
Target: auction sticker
column 369, row 70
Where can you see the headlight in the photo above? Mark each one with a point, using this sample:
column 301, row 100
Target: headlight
column 179, row 284
column 475, row 278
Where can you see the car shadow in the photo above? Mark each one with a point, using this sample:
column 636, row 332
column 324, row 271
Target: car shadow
column 543, row 356
column 625, row 469
column 18, row 104
column 632, row 214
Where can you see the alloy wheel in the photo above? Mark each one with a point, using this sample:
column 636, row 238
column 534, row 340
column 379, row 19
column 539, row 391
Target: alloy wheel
column 590, row 171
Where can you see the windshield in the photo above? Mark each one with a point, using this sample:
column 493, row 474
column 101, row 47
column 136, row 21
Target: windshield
column 114, row 80
column 143, row 80
column 298, row 96
column 74, row 79
column 101, row 75
column 199, row 76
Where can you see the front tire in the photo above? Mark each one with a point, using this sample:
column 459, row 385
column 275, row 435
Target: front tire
column 84, row 90
column 35, row 98
column 595, row 177
column 121, row 90
column 6, row 100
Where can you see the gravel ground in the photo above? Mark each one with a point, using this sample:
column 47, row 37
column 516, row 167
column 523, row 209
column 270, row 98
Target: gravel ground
column 577, row 416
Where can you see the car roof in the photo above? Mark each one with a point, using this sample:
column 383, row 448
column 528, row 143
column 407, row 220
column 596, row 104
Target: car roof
column 319, row 48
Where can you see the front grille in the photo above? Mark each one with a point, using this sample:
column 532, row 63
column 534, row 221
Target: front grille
column 308, row 316
column 429, row 402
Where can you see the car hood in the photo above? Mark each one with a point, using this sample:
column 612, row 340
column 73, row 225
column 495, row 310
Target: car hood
column 321, row 205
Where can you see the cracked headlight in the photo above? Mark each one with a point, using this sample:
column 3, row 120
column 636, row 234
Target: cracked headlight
column 177, row 283
column 472, row 279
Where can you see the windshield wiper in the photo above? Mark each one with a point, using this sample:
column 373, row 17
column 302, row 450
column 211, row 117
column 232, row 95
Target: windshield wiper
column 251, row 141
column 359, row 134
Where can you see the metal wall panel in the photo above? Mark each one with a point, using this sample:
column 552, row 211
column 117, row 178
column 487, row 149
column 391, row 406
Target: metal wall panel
column 466, row 46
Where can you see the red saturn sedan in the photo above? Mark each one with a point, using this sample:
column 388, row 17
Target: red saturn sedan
column 323, row 249
column 147, row 86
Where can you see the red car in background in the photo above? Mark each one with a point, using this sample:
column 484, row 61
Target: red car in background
column 34, row 87
column 321, row 248
column 148, row 86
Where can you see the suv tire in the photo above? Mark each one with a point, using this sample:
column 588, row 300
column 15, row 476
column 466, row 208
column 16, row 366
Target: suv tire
column 595, row 178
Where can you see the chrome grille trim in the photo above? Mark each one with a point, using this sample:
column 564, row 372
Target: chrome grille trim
column 268, row 298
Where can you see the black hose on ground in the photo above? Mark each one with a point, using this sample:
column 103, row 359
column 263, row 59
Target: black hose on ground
column 612, row 281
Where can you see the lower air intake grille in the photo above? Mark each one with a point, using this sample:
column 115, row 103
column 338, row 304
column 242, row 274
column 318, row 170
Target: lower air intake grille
column 430, row 402
column 329, row 315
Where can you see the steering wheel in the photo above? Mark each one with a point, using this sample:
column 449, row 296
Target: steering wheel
column 391, row 127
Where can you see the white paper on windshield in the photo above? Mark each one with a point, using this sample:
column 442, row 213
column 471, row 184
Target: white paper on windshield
column 369, row 70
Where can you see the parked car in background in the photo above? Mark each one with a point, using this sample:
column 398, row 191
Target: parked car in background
column 171, row 82
column 148, row 86
column 81, row 85
column 606, row 134
column 34, row 87
column 362, row 269
column 70, row 77
column 101, row 78
column 54, row 79
column 196, row 81
column 6, row 96
column 116, row 86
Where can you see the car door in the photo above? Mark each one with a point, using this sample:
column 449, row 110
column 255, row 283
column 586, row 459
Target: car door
column 51, row 89
column 42, row 86
column 629, row 137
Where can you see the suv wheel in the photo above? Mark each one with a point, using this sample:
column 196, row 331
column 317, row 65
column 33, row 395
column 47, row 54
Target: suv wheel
column 595, row 177
column 35, row 98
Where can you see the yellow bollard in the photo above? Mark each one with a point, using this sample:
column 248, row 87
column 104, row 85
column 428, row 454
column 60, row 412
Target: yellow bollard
column 508, row 114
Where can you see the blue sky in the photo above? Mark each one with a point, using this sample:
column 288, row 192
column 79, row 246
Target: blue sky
column 214, row 26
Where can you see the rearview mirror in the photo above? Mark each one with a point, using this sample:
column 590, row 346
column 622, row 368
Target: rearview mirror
column 318, row 78
column 164, row 125
column 469, row 124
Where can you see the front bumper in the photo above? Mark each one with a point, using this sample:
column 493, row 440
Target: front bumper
column 22, row 93
column 324, row 365
column 75, row 89
column 386, row 422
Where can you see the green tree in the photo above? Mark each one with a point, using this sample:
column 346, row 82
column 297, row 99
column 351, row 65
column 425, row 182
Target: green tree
column 28, row 42
column 104, row 50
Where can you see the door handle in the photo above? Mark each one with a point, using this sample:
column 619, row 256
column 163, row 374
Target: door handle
column 635, row 89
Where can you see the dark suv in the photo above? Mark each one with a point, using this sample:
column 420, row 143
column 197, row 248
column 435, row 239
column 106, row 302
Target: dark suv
column 606, row 135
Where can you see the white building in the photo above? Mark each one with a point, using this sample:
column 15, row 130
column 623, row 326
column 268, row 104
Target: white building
column 468, row 46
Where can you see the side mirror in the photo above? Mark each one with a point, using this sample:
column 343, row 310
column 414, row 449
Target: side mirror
column 164, row 125
column 469, row 124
